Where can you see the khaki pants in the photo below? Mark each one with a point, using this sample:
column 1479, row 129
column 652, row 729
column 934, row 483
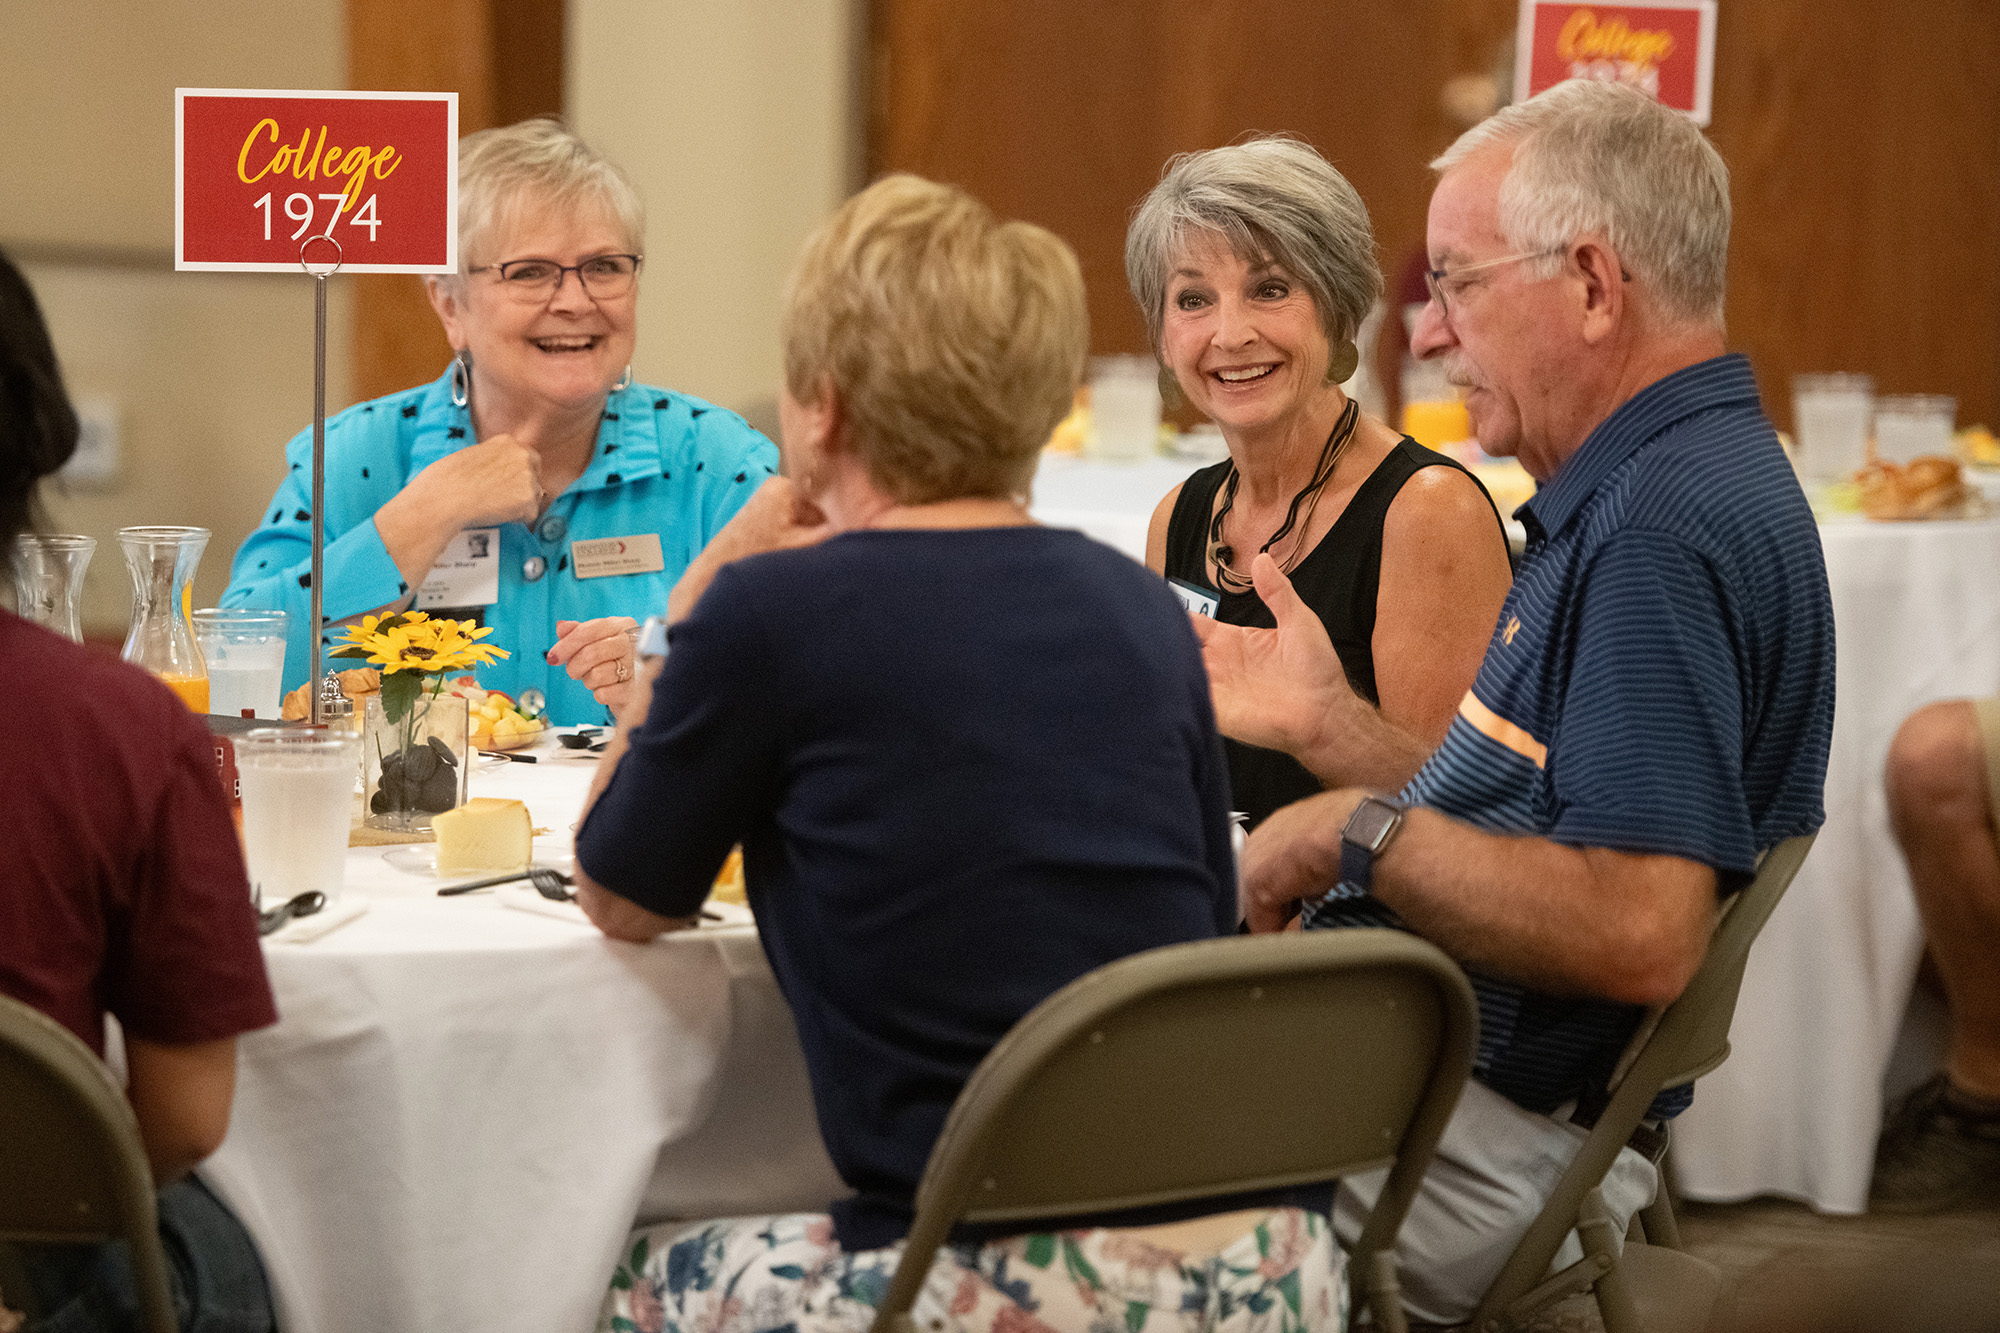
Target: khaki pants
column 1496, row 1165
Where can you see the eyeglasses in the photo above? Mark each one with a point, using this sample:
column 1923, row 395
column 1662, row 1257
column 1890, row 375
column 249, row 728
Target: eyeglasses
column 536, row 281
column 1436, row 278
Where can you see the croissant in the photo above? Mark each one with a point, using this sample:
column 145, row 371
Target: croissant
column 1922, row 488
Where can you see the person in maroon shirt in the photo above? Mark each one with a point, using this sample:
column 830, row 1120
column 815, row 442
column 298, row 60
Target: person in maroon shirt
column 122, row 891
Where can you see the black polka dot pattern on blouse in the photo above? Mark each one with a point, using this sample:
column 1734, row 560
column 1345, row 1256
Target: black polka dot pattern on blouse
column 410, row 412
column 612, row 479
column 455, row 433
column 302, row 515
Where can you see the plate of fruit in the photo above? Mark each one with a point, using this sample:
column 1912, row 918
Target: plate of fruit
column 498, row 720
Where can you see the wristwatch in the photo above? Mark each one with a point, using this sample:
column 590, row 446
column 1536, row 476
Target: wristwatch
column 649, row 639
column 1369, row 829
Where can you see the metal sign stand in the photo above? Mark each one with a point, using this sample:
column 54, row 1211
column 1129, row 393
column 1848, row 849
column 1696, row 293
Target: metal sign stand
column 314, row 694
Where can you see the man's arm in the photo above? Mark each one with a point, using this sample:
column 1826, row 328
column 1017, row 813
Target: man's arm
column 1562, row 920
column 1284, row 689
column 180, row 1096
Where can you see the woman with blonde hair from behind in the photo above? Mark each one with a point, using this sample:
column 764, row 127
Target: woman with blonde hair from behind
column 969, row 760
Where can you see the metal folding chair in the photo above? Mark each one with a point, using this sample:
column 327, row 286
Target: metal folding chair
column 1203, row 1070
column 72, row 1168
column 1649, row 1286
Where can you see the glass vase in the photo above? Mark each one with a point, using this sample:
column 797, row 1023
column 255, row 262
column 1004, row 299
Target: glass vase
column 414, row 767
column 48, row 580
column 162, row 562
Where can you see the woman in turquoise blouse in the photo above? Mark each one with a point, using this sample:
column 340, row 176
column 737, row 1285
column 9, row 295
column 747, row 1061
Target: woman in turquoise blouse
column 532, row 487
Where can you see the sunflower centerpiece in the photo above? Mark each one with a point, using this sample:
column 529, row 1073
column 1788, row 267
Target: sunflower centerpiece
column 414, row 733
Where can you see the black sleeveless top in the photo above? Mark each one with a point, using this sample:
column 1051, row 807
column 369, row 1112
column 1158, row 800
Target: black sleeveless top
column 1337, row 579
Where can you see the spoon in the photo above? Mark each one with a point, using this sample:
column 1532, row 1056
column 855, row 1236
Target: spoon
column 304, row 904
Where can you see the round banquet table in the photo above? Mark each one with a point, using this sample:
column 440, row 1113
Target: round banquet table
column 1796, row 1109
column 464, row 1108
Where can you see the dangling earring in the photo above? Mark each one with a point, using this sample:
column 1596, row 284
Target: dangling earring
column 1342, row 364
column 461, row 379
column 624, row 381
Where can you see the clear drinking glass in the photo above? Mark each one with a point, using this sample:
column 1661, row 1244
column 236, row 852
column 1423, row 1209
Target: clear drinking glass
column 1912, row 425
column 48, row 580
column 162, row 562
column 1830, row 414
column 298, row 800
column 245, row 655
column 1124, row 408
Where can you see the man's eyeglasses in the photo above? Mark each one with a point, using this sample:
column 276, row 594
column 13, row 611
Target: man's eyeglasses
column 1442, row 280
column 536, row 281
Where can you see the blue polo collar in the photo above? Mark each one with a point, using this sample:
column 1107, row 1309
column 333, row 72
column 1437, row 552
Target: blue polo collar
column 628, row 440
column 1723, row 381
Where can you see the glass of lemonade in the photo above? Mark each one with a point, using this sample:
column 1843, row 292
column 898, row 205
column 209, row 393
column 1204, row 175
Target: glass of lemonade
column 245, row 652
column 298, row 800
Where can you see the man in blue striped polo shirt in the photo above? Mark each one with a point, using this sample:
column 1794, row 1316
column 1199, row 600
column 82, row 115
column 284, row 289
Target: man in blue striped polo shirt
column 1655, row 706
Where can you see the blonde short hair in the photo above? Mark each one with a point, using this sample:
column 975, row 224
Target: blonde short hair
column 952, row 341
column 536, row 161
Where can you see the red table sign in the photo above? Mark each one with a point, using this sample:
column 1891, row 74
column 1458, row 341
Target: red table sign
column 257, row 174
column 1666, row 48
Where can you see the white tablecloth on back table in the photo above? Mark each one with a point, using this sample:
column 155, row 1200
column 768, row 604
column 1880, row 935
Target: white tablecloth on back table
column 1796, row 1109
column 464, row 1107
column 1112, row 502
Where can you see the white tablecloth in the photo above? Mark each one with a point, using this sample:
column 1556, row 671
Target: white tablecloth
column 1796, row 1109
column 1112, row 502
column 464, row 1108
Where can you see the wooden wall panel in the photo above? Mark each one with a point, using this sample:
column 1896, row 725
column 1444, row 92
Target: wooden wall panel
column 504, row 59
column 1864, row 146
column 1064, row 114
column 1864, row 142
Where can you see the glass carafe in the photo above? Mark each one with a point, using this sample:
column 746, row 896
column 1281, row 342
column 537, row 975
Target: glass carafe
column 162, row 563
column 48, row 580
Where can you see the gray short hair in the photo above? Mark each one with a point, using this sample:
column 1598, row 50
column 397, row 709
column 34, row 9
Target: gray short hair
column 1594, row 156
column 1271, row 198
column 536, row 160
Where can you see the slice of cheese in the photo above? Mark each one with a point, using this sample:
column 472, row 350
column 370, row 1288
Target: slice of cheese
column 486, row 833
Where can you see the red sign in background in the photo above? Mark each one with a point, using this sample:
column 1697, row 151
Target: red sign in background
column 260, row 173
column 1657, row 48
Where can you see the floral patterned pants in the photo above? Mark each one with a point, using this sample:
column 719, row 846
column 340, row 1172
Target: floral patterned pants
column 761, row 1275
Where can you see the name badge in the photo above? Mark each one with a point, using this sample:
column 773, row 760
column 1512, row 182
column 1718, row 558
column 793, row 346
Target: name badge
column 603, row 557
column 467, row 572
column 1198, row 601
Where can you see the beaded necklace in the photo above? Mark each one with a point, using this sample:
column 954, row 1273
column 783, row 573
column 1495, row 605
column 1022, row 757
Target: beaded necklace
column 1220, row 554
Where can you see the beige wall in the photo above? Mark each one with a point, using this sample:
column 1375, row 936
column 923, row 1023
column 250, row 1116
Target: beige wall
column 735, row 122
column 210, row 373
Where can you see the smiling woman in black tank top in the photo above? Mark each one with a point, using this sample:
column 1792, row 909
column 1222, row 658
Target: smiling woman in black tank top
column 1254, row 266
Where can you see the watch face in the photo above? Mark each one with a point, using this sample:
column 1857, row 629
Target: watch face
column 1371, row 822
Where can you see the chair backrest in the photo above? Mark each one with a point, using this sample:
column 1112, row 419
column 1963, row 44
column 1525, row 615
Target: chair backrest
column 72, row 1168
column 1680, row 1042
column 1206, row 1069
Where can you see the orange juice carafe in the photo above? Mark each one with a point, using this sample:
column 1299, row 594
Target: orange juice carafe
column 162, row 563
